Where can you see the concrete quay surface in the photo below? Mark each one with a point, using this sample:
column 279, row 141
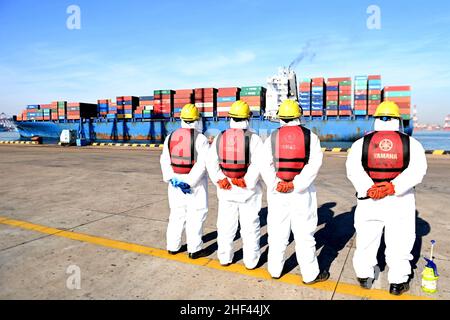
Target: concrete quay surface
column 101, row 214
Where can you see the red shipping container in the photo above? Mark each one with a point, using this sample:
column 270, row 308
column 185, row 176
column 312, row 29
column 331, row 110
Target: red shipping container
column 397, row 88
column 224, row 104
column 332, row 112
column 306, row 113
column 317, row 113
column 374, row 77
column 398, row 99
column 345, row 112
column 228, row 92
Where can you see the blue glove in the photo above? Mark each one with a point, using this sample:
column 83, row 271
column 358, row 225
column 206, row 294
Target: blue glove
column 185, row 188
column 174, row 182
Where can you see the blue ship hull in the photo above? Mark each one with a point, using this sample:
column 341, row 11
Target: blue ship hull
column 332, row 129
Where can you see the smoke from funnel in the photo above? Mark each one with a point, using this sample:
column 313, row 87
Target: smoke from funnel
column 306, row 52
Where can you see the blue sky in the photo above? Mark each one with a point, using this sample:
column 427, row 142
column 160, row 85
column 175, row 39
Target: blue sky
column 133, row 47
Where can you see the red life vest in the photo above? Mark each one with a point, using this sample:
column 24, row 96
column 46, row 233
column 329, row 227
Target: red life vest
column 290, row 150
column 182, row 150
column 385, row 154
column 233, row 149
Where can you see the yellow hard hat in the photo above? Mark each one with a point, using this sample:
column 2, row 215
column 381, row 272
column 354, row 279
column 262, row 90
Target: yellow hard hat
column 239, row 109
column 189, row 112
column 289, row 109
column 387, row 109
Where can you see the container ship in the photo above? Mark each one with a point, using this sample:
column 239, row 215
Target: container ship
column 336, row 109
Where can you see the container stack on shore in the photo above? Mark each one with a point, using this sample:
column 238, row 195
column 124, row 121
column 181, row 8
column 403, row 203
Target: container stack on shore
column 79, row 110
column 305, row 96
column 332, row 97
column 361, row 95
column 225, row 98
column 163, row 103
column 374, row 85
column 206, row 101
column 318, row 97
column 255, row 98
column 145, row 108
column 401, row 95
column 181, row 98
column 102, row 107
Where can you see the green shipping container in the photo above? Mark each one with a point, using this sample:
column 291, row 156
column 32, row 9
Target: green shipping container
column 332, row 103
column 375, row 97
column 345, row 83
column 345, row 98
column 157, row 92
column 406, row 116
column 251, row 94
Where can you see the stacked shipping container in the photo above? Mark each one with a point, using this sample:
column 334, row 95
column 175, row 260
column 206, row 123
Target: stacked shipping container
column 62, row 110
column 374, row 95
column 145, row 108
column 332, row 97
column 400, row 95
column 125, row 106
column 206, row 101
column 181, row 98
column 345, row 96
column 305, row 96
column 102, row 107
column 32, row 112
column 225, row 98
column 255, row 98
column 360, row 97
column 318, row 96
column 163, row 103
column 78, row 110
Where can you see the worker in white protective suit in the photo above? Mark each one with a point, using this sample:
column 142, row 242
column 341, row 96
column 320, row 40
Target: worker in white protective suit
column 384, row 167
column 232, row 168
column 291, row 160
column 183, row 168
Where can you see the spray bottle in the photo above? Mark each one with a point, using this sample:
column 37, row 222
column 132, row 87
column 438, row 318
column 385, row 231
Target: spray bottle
column 430, row 274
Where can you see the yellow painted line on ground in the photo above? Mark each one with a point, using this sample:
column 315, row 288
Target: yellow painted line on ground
column 324, row 149
column 343, row 288
column 336, row 150
column 134, row 145
column 95, row 144
column 439, row 152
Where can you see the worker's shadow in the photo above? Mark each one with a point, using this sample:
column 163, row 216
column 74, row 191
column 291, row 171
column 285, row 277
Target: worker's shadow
column 332, row 238
column 238, row 255
column 422, row 229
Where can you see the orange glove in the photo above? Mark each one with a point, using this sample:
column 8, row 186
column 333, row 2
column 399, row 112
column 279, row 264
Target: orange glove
column 387, row 186
column 375, row 193
column 380, row 190
column 285, row 187
column 224, row 184
column 240, row 182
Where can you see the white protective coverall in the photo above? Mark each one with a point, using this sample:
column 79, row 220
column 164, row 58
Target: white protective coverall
column 396, row 213
column 188, row 210
column 296, row 211
column 238, row 205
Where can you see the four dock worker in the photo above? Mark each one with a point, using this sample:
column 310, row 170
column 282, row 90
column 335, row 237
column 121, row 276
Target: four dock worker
column 291, row 159
column 183, row 168
column 384, row 167
column 232, row 168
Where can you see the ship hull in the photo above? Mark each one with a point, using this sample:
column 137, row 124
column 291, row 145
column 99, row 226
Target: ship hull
column 348, row 130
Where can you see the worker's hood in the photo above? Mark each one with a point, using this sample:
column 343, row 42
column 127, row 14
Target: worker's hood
column 239, row 124
column 391, row 125
column 295, row 122
column 197, row 125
